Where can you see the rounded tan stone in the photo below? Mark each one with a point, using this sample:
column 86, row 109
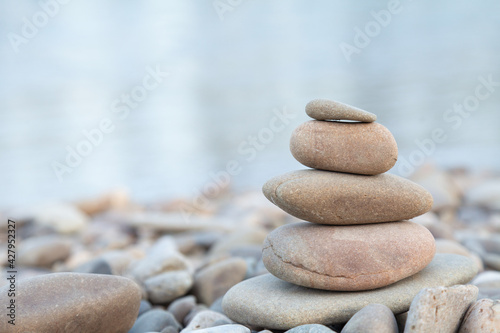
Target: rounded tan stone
column 325, row 109
column 373, row 318
column 72, row 302
column 347, row 258
column 343, row 199
column 361, row 148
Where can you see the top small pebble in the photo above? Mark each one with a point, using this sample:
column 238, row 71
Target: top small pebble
column 325, row 109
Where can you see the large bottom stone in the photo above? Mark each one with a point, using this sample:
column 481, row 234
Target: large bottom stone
column 268, row 302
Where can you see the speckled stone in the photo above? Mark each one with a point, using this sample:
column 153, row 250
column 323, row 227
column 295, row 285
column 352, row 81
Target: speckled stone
column 373, row 318
column 343, row 199
column 204, row 319
column 347, row 258
column 482, row 317
column 73, row 302
column 361, row 148
column 266, row 301
column 325, row 109
column 440, row 309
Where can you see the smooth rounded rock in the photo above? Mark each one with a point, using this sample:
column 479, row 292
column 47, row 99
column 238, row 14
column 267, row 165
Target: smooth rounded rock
column 310, row 328
column 162, row 257
column 215, row 280
column 440, row 309
column 194, row 311
column 325, row 109
column 73, row 302
column 232, row 328
column 95, row 266
column 204, row 319
column 63, row 217
column 154, row 320
column 343, row 199
column 43, row 251
column 360, row 148
column 347, row 258
column 266, row 301
column 168, row 286
column 373, row 318
column 144, row 307
column 181, row 307
column 482, row 317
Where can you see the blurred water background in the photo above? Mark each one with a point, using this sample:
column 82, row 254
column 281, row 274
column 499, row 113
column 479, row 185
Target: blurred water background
column 230, row 70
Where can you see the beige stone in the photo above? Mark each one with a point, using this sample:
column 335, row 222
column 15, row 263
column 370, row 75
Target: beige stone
column 361, row 148
column 166, row 287
column 43, row 251
column 73, row 302
column 347, row 258
column 215, row 280
column 373, row 318
column 482, row 317
column 338, row 198
column 325, row 109
column 266, row 301
column 440, row 309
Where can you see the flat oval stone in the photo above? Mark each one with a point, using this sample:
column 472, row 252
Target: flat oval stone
column 325, row 109
column 361, row 148
column 347, row 258
column 73, row 302
column 266, row 301
column 343, row 199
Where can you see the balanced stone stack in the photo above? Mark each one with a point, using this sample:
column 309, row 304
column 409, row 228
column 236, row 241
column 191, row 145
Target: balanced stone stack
column 357, row 237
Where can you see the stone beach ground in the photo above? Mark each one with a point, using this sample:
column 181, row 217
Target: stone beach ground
column 108, row 264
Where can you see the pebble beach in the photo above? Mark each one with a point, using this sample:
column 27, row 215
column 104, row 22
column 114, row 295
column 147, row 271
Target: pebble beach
column 423, row 255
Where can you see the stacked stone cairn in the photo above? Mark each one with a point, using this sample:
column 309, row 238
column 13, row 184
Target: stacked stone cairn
column 357, row 237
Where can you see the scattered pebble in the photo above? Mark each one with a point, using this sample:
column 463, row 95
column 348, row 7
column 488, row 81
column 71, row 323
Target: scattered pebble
column 64, row 218
column 233, row 328
column 440, row 309
column 166, row 287
column 204, row 319
column 181, row 307
column 373, row 318
column 155, row 320
column 482, row 317
column 215, row 280
column 310, row 328
column 95, row 266
column 43, row 251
